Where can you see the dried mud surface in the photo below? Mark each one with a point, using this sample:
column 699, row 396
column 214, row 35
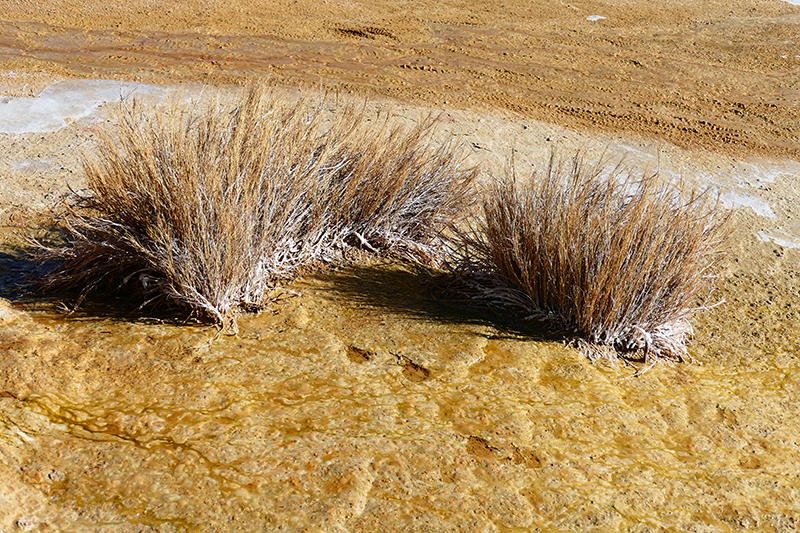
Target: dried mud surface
column 364, row 404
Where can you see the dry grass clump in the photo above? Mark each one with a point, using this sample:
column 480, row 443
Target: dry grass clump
column 617, row 259
column 214, row 206
column 397, row 191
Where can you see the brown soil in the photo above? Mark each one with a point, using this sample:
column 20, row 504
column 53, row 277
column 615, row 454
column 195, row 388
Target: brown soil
column 718, row 74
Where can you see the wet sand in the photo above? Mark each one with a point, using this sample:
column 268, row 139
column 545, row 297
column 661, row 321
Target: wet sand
column 364, row 404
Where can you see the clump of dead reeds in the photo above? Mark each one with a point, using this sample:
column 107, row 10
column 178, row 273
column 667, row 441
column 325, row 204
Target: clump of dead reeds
column 397, row 191
column 620, row 260
column 214, row 206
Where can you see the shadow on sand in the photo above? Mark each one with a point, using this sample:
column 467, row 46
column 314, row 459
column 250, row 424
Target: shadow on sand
column 416, row 292
column 391, row 287
column 19, row 273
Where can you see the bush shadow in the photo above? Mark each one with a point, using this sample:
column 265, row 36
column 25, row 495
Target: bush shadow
column 17, row 272
column 389, row 286
column 20, row 272
column 412, row 291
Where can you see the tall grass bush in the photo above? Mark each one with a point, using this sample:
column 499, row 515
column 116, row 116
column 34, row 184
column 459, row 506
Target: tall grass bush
column 215, row 206
column 620, row 260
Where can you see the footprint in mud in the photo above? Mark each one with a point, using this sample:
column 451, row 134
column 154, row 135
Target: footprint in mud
column 371, row 33
column 479, row 447
column 415, row 372
column 412, row 371
column 359, row 355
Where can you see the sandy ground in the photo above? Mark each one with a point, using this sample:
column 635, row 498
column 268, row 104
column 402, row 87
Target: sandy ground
column 363, row 404
column 719, row 74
